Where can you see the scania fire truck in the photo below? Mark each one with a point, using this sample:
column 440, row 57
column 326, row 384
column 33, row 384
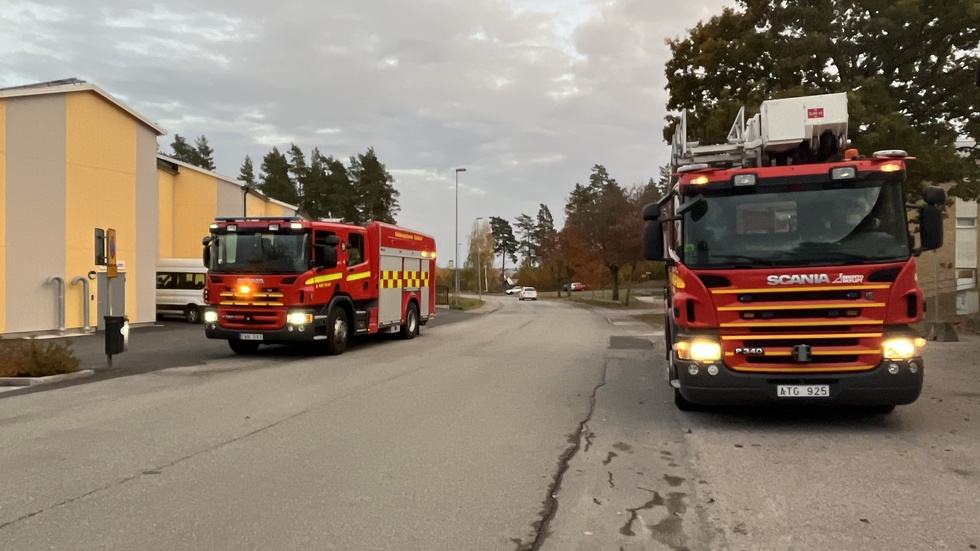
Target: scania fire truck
column 288, row 280
column 790, row 264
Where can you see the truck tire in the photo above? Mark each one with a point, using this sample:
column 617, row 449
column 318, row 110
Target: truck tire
column 192, row 314
column 338, row 331
column 411, row 326
column 682, row 403
column 243, row 348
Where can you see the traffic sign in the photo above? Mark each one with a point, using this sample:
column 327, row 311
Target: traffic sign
column 112, row 269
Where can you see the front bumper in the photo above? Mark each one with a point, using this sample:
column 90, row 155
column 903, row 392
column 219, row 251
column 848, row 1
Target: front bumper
column 876, row 387
column 287, row 335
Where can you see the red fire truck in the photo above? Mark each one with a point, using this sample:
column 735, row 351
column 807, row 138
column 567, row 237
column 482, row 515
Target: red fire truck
column 288, row 280
column 791, row 267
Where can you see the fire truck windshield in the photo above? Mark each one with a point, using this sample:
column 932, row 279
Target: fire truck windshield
column 260, row 253
column 799, row 225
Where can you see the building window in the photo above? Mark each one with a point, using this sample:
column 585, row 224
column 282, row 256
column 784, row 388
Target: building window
column 966, row 222
column 966, row 278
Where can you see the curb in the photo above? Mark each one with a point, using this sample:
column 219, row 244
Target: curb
column 33, row 381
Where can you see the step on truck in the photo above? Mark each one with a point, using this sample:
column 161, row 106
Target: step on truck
column 290, row 281
column 790, row 264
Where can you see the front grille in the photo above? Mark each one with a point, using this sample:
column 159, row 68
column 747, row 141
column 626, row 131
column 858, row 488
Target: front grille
column 800, row 296
column 838, row 328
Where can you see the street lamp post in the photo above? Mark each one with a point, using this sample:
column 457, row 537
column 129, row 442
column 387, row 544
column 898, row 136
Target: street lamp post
column 456, row 239
column 479, row 245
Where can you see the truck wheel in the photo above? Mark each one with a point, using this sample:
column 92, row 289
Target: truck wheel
column 682, row 403
column 411, row 326
column 243, row 348
column 338, row 331
column 192, row 314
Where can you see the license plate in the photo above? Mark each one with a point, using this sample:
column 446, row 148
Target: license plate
column 803, row 391
column 250, row 336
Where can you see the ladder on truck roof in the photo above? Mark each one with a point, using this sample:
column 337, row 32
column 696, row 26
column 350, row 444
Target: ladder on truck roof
column 785, row 131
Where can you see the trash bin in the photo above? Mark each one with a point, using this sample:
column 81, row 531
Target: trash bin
column 116, row 334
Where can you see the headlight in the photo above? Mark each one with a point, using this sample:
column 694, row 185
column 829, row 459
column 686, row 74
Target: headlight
column 902, row 348
column 299, row 318
column 698, row 350
column 210, row 316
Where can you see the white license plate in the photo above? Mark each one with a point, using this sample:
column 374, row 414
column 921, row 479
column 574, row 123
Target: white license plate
column 250, row 336
column 803, row 391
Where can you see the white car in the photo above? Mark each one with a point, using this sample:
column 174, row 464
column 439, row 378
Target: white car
column 513, row 290
column 528, row 293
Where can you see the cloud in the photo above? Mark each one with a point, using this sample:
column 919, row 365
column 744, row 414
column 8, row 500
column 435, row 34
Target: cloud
column 527, row 95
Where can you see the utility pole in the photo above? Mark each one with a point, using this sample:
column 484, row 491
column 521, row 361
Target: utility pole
column 479, row 245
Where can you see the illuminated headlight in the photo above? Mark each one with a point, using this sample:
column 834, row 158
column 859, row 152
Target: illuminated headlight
column 299, row 318
column 902, row 348
column 210, row 316
column 843, row 173
column 698, row 350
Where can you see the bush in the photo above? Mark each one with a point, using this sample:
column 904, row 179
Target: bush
column 30, row 358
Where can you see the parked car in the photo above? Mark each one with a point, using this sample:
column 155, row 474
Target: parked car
column 528, row 293
column 575, row 286
column 513, row 290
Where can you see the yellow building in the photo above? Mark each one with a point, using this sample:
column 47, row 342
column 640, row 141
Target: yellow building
column 192, row 197
column 72, row 159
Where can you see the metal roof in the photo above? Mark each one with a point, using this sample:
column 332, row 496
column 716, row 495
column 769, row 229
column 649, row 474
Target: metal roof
column 68, row 85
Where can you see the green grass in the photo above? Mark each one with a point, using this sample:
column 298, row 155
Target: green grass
column 656, row 320
column 466, row 304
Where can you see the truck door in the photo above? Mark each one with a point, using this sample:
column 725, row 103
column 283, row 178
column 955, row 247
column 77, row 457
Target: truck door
column 358, row 276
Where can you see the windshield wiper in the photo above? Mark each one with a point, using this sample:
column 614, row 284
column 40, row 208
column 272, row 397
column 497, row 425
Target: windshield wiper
column 752, row 259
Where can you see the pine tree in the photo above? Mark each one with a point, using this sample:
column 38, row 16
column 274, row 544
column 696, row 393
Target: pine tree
column 247, row 173
column 275, row 178
column 202, row 154
column 504, row 242
column 377, row 197
column 298, row 171
column 181, row 150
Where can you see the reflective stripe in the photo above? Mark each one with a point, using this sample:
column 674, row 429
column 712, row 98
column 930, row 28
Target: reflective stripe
column 323, row 279
column 355, row 277
column 798, row 323
column 799, row 289
column 813, row 306
column 758, row 336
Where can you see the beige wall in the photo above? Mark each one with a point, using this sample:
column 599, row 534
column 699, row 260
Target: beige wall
column 35, row 204
column 147, row 225
column 3, row 211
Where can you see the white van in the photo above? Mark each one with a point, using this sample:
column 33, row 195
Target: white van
column 180, row 288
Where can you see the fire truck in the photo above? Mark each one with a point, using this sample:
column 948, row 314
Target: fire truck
column 289, row 280
column 791, row 264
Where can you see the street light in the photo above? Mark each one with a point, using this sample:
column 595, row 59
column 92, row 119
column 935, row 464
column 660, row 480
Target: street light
column 479, row 245
column 456, row 239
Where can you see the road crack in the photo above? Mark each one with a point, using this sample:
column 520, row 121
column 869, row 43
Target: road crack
column 550, row 504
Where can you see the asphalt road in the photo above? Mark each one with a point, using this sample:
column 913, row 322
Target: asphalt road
column 539, row 425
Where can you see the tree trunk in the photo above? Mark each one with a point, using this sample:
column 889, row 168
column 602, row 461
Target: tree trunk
column 629, row 283
column 614, row 272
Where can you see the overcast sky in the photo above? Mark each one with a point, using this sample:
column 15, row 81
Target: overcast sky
column 526, row 95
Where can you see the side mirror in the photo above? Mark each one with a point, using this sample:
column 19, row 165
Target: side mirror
column 931, row 226
column 325, row 256
column 651, row 212
column 934, row 195
column 333, row 240
column 206, row 255
column 653, row 240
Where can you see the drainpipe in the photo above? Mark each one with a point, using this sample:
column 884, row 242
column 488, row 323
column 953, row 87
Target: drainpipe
column 61, row 300
column 84, row 281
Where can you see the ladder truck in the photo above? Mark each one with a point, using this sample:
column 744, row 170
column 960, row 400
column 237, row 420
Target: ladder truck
column 791, row 273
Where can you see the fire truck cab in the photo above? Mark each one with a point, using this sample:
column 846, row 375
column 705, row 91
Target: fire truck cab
column 288, row 280
column 791, row 267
